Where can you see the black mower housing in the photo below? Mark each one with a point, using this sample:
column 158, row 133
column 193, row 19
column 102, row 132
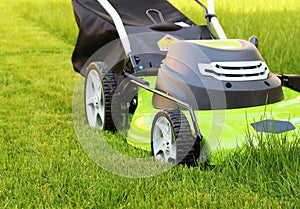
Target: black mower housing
column 180, row 77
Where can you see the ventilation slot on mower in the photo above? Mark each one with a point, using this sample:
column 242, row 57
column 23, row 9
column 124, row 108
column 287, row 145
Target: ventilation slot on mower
column 235, row 71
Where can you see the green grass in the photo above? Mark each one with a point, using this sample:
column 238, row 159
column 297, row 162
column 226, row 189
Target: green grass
column 42, row 162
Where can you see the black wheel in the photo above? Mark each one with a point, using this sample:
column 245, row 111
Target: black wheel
column 100, row 86
column 171, row 138
column 124, row 105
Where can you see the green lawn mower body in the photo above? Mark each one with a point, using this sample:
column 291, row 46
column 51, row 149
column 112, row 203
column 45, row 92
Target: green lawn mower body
column 224, row 130
column 246, row 102
column 183, row 93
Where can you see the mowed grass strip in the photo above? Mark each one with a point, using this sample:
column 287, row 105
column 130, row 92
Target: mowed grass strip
column 43, row 165
column 37, row 140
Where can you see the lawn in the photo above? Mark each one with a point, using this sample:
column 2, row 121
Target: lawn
column 42, row 162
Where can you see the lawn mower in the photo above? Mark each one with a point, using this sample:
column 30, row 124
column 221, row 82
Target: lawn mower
column 183, row 91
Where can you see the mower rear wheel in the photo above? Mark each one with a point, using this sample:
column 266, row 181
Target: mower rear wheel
column 100, row 86
column 171, row 138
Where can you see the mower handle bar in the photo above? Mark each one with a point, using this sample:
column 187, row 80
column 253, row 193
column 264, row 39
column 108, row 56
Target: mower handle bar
column 123, row 34
column 214, row 20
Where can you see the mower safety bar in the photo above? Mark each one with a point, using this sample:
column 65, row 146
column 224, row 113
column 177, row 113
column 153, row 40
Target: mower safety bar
column 124, row 36
column 177, row 101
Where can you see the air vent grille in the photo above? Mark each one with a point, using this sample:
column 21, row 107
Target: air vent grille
column 235, row 71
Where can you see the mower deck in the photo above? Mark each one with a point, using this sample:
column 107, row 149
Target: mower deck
column 223, row 130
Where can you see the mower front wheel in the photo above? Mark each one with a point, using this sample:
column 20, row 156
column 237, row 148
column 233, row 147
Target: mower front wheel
column 171, row 138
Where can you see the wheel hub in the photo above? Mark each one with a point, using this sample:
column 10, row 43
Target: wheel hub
column 164, row 147
column 96, row 102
